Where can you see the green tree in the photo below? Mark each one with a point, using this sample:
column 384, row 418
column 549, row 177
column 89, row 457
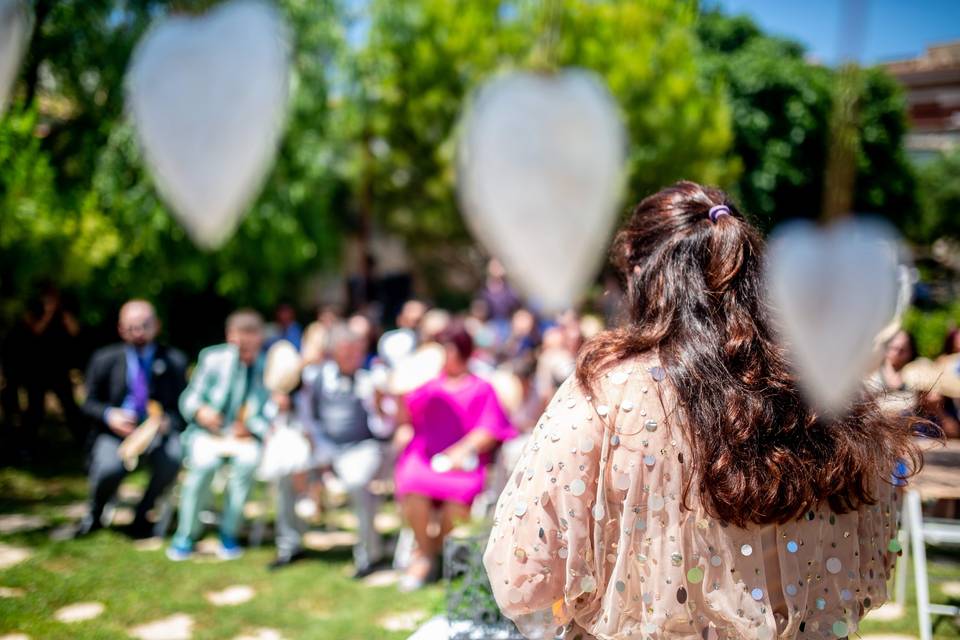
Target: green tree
column 377, row 94
column 939, row 190
column 411, row 77
column 73, row 75
column 31, row 226
column 83, row 210
column 781, row 114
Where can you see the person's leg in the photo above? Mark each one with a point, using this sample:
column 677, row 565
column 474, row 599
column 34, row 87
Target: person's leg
column 165, row 458
column 62, row 387
column 238, row 490
column 451, row 515
column 290, row 527
column 194, row 494
column 106, row 474
column 369, row 548
column 10, row 406
column 418, row 511
column 357, row 465
column 33, row 416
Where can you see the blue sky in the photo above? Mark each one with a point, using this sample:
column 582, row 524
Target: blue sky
column 891, row 29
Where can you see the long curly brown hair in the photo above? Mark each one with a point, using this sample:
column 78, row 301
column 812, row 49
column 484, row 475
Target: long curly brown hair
column 696, row 297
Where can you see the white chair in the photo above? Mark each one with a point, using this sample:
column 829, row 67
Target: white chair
column 922, row 532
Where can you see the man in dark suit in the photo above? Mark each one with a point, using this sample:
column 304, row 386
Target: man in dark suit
column 122, row 379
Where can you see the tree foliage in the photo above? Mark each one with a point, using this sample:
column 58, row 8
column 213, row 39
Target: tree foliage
column 409, row 83
column 939, row 182
column 378, row 89
column 83, row 211
column 781, row 117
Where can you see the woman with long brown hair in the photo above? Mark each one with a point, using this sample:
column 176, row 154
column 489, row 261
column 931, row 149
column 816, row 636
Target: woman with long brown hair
column 678, row 486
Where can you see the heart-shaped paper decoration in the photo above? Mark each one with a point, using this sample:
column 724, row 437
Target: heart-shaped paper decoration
column 540, row 174
column 208, row 95
column 15, row 27
column 833, row 290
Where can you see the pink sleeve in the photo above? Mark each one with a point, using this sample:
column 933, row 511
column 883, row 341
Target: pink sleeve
column 491, row 417
column 413, row 402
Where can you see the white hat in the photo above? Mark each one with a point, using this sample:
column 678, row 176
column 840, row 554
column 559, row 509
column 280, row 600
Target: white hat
column 396, row 345
column 417, row 369
column 314, row 344
column 508, row 388
column 281, row 374
column 936, row 376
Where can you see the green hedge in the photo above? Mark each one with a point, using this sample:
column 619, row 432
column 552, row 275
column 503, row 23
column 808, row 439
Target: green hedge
column 930, row 326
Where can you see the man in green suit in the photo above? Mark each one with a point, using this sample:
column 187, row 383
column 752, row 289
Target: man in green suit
column 224, row 409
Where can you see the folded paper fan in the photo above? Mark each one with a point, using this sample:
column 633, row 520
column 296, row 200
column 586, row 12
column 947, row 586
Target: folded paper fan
column 135, row 444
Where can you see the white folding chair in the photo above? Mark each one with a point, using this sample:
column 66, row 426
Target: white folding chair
column 922, row 532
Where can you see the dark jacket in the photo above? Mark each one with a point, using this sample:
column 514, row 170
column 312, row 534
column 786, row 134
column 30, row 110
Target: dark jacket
column 106, row 382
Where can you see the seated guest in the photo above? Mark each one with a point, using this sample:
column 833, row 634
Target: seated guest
column 224, row 408
column 338, row 408
column 900, row 350
column 909, row 385
column 121, row 380
column 948, row 410
column 943, row 401
column 449, row 427
column 285, row 326
column 286, row 451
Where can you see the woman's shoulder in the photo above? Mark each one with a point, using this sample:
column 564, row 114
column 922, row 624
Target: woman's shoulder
column 623, row 376
column 628, row 389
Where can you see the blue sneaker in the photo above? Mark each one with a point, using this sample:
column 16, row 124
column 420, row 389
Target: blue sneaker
column 179, row 552
column 229, row 548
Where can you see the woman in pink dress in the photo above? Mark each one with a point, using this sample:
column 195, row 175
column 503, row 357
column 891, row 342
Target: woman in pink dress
column 452, row 426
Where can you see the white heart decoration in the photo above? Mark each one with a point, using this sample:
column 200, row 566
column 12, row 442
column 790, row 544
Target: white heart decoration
column 540, row 175
column 15, row 27
column 833, row 291
column 208, row 96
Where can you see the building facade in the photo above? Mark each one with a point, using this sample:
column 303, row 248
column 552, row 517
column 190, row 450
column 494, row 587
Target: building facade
column 932, row 83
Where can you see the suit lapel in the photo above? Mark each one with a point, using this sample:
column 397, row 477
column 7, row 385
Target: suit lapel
column 220, row 393
column 156, row 370
column 119, row 379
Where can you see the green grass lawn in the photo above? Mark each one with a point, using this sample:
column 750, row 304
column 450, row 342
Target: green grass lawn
column 315, row 598
column 312, row 599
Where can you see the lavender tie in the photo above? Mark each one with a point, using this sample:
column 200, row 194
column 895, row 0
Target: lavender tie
column 140, row 390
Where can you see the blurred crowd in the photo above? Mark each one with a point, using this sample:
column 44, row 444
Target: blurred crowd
column 433, row 410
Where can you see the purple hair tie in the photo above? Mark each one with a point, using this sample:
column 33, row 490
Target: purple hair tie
column 717, row 211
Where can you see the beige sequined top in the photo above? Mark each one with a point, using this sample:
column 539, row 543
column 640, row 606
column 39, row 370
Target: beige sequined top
column 590, row 539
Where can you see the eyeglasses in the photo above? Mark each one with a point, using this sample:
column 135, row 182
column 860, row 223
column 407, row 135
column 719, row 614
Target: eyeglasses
column 130, row 328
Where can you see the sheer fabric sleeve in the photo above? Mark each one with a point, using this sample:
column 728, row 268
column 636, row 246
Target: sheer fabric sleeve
column 590, row 533
column 540, row 552
column 878, row 543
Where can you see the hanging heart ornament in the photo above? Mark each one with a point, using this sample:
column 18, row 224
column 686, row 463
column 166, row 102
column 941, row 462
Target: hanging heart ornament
column 834, row 290
column 208, row 96
column 540, row 174
column 16, row 23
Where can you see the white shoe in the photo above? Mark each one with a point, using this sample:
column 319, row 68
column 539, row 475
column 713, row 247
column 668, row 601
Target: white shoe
column 410, row 583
